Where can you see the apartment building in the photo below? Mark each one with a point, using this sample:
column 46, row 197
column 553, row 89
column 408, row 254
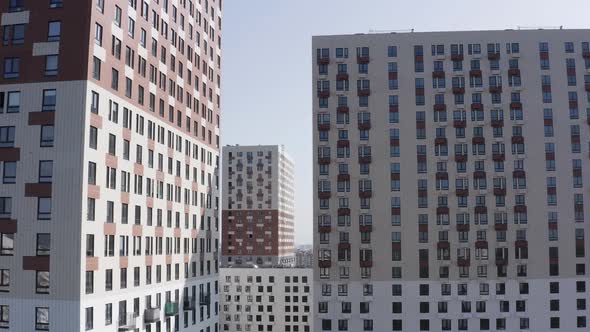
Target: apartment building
column 304, row 257
column 266, row 299
column 109, row 145
column 258, row 206
column 452, row 181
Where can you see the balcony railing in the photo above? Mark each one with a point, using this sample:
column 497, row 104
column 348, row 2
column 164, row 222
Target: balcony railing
column 151, row 315
column 171, row 309
column 188, row 303
column 205, row 299
column 127, row 322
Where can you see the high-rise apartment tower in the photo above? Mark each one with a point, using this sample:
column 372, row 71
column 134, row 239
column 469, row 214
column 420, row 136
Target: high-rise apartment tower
column 451, row 174
column 109, row 143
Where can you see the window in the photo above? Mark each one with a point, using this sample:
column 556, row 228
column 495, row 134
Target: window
column 117, row 18
column 44, row 208
column 6, row 244
column 96, row 63
column 9, row 172
column 46, row 136
column 42, row 282
column 42, row 318
column 89, row 282
column 51, row 63
column 56, row 3
column 13, row 102
column 4, row 282
column 49, row 100
column 89, row 317
column 11, row 67
column 100, row 5
column 18, row 34
column 54, row 31
column 114, row 79
column 16, row 5
column 6, row 137
column 45, row 171
column 98, row 34
column 131, row 28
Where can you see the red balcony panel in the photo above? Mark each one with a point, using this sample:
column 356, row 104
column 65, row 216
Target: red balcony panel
column 440, row 141
column 392, row 75
column 443, row 245
column 323, row 126
column 342, row 77
column 323, row 94
column 344, row 212
column 423, row 263
column 324, row 229
column 521, row 244
column 552, row 225
column 520, row 208
column 500, row 191
column 463, row 262
column 500, row 227
column 342, row 109
column 420, row 124
column 501, row 261
column 516, row 105
column 41, row 118
column 478, row 140
column 440, row 107
column 580, row 243
column 479, row 174
column 364, row 92
column 422, row 227
column 517, row 139
column 546, row 88
column 363, row 59
column 364, row 125
column 323, row 61
column 324, row 160
column 365, row 193
column 481, row 244
column 364, row 159
column 573, row 104
column 38, row 190
column 324, row 195
column 419, row 91
column 571, row 71
column 394, row 142
column 395, row 176
column 463, row 227
column 494, row 56
column 366, row 263
column 342, row 143
column 497, row 123
column 343, row 246
column 475, row 73
column 496, row 89
column 438, row 74
column 577, row 172
column 420, row 158
column 579, row 207
column 476, row 106
column 587, row 87
column 422, row 193
column 442, row 210
column 418, row 58
column 442, row 175
column 552, row 191
column 481, row 209
column 588, row 121
column 8, row 226
column 456, row 57
column 586, row 54
column 36, row 263
column 575, row 139
column 518, row 174
column 550, row 156
column 393, row 108
column 544, row 55
column 343, row 177
column 460, row 158
column 365, row 228
column 553, row 260
column 324, row 263
column 9, row 154
column 458, row 90
column 396, row 211
column 513, row 72
column 462, row 192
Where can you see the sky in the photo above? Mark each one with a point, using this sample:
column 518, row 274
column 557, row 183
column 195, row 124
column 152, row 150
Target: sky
column 267, row 61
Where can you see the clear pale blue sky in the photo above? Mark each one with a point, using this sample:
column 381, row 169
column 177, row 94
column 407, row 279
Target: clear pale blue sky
column 267, row 60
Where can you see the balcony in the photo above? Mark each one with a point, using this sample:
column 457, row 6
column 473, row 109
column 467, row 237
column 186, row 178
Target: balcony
column 343, row 177
column 364, row 125
column 438, row 74
column 501, row 261
column 475, row 72
column 476, row 106
column 463, row 262
column 459, row 123
column 462, row 192
column 363, row 59
column 457, row 90
column 365, row 159
column 393, row 108
column 439, row 107
column 518, row 174
column 587, row 87
column 462, row 227
column 481, row 244
column 151, row 315
column 343, row 211
column 497, row 123
column 517, row 139
column 323, row 228
column 478, row 140
column 520, row 209
column 324, row 160
column 324, row 194
column 366, row 193
column 171, row 309
column 496, row 89
column 204, row 299
column 493, row 55
column 443, row 245
column 366, row 263
column 392, row 75
column 516, row 105
column 586, row 54
column 513, row 72
column 460, row 158
column 500, row 227
column 343, row 246
column 497, row 156
column 442, row 210
column 440, row 141
column 479, row 175
column 324, row 263
column 323, row 60
column 441, row 176
column 481, row 209
column 500, row 191
column 324, row 93
column 456, row 57
column 365, row 228
column 544, row 55
column 127, row 322
column 342, row 109
column 324, row 126
column 342, row 77
column 521, row 244
column 364, row 92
